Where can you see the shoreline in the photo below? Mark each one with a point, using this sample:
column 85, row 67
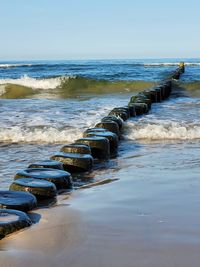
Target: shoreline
column 138, row 220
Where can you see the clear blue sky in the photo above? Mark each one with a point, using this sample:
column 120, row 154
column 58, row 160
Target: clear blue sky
column 87, row 29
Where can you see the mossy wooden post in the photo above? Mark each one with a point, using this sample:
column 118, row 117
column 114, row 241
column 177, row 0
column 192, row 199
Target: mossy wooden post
column 182, row 67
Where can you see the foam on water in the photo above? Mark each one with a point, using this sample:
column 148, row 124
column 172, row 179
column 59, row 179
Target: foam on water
column 46, row 134
column 175, row 119
column 49, row 121
column 163, row 130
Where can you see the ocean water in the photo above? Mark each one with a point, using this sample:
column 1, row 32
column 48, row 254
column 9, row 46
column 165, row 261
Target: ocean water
column 46, row 104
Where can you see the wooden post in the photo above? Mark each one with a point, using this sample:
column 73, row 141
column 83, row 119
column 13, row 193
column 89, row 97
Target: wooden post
column 182, row 67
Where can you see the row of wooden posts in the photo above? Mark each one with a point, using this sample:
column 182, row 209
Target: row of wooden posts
column 45, row 179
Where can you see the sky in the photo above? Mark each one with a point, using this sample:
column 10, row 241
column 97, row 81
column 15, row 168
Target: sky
column 99, row 29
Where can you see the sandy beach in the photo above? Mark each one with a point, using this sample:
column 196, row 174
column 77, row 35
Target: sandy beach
column 146, row 218
column 100, row 122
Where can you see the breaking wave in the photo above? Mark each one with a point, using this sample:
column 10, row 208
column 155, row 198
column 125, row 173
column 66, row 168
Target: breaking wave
column 50, row 83
column 66, row 86
column 73, row 86
column 45, row 134
column 162, row 130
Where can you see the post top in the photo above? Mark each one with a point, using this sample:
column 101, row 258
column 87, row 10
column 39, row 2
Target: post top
column 181, row 64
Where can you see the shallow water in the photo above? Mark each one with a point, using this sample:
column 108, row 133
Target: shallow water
column 35, row 128
column 42, row 133
column 175, row 119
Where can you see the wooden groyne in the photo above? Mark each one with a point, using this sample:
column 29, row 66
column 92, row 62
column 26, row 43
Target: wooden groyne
column 45, row 179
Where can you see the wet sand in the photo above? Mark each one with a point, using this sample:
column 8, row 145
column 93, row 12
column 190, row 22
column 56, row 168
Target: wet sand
column 149, row 217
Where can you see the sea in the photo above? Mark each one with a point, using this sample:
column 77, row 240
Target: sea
column 46, row 104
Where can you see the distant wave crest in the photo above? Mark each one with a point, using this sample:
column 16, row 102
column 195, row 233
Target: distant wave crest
column 167, row 64
column 79, row 64
column 14, row 65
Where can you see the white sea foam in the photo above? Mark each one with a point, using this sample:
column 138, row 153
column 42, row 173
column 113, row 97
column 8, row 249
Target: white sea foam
column 164, row 130
column 171, row 64
column 39, row 135
column 50, row 83
column 14, row 65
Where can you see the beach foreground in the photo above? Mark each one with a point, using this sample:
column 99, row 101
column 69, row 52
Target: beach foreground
column 146, row 218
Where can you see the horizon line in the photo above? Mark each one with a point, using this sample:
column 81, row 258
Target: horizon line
column 100, row 59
